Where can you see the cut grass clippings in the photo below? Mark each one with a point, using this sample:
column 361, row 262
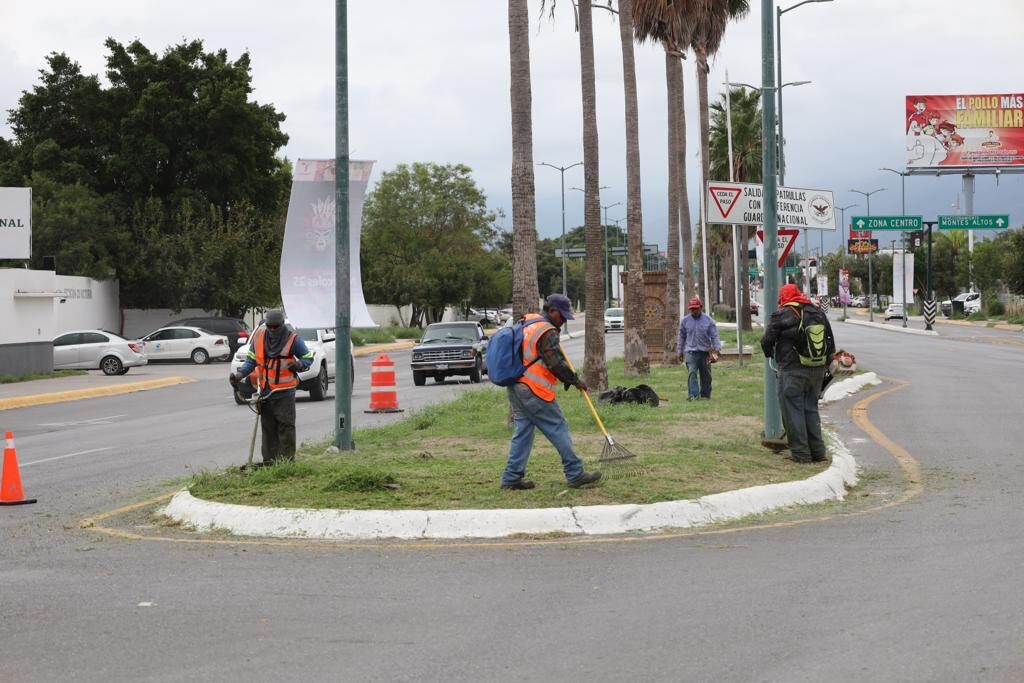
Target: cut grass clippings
column 451, row 455
column 55, row 374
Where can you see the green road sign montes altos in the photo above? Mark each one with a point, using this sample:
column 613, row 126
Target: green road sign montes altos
column 974, row 222
column 887, row 222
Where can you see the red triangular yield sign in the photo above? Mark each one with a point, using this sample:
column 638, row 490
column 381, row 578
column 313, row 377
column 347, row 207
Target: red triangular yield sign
column 725, row 198
column 790, row 234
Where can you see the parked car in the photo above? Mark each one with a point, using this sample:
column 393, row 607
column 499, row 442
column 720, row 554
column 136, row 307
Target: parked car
column 314, row 379
column 972, row 303
column 894, row 311
column 859, row 301
column 234, row 329
column 186, row 343
column 614, row 319
column 92, row 349
column 450, row 349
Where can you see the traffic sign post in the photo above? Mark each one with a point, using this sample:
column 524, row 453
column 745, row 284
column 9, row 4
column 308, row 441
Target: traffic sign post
column 995, row 222
column 887, row 222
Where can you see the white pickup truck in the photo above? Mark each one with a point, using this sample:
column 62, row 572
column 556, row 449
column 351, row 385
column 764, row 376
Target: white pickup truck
column 315, row 379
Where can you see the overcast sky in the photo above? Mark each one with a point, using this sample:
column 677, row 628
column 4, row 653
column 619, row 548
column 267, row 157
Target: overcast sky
column 429, row 81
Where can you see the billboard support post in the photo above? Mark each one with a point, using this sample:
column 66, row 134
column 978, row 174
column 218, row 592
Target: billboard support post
column 968, row 182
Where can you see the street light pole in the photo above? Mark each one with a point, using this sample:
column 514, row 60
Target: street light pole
column 903, row 234
column 607, row 274
column 342, row 256
column 782, row 138
column 871, row 284
column 562, row 170
column 843, row 245
column 772, row 434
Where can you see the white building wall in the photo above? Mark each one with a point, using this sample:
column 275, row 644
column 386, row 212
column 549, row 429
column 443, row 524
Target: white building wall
column 87, row 304
column 27, row 302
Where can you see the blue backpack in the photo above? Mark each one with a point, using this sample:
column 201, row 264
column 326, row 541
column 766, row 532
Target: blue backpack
column 505, row 354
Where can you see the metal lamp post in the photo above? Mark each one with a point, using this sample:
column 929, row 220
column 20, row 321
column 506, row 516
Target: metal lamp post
column 607, row 274
column 782, row 138
column 871, row 286
column 562, row 170
column 903, row 234
column 342, row 292
column 842, row 219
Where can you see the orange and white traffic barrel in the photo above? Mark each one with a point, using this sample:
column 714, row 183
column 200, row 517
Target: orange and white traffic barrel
column 383, row 392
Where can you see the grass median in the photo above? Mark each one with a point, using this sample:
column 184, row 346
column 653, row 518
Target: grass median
column 451, row 455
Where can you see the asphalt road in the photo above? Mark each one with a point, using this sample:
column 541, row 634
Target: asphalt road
column 927, row 590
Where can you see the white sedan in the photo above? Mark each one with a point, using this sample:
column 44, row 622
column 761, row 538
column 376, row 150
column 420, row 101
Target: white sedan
column 92, row 349
column 185, row 343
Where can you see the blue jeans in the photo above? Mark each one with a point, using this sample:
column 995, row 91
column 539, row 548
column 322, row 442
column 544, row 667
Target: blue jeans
column 529, row 413
column 697, row 364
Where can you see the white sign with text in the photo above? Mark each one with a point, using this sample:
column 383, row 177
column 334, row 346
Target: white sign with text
column 16, row 223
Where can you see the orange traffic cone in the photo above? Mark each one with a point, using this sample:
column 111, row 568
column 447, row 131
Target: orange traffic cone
column 10, row 479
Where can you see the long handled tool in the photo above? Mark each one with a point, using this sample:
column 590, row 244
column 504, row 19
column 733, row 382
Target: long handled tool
column 612, row 452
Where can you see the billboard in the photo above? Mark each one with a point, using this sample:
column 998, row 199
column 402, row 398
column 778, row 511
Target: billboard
column 964, row 131
column 16, row 222
column 862, row 246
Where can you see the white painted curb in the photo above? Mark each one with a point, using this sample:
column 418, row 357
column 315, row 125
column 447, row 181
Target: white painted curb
column 890, row 328
column 588, row 520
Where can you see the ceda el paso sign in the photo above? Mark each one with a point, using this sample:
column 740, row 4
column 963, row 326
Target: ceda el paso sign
column 15, row 222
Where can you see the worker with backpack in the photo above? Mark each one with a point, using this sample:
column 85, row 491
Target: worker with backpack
column 527, row 360
column 799, row 338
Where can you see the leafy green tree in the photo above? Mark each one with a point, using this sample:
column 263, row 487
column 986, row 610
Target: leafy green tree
column 426, row 230
column 167, row 178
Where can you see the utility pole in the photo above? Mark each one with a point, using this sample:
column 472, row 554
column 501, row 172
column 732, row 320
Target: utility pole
column 871, row 276
column 772, row 434
column 562, row 170
column 342, row 291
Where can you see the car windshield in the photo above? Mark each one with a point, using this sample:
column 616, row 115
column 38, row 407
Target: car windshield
column 614, row 313
column 307, row 333
column 436, row 333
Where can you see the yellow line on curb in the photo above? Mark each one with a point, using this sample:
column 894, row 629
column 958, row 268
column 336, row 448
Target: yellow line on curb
column 95, row 392
column 911, row 469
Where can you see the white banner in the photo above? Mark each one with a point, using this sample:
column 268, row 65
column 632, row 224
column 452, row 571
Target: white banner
column 307, row 255
column 16, row 222
column 823, row 285
column 897, row 275
column 742, row 204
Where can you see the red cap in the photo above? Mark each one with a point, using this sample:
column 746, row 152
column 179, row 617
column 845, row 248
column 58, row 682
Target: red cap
column 695, row 302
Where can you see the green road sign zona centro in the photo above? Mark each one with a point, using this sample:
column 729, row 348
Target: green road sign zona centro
column 887, row 223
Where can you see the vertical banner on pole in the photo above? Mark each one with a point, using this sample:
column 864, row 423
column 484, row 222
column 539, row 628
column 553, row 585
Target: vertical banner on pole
column 844, row 287
column 307, row 255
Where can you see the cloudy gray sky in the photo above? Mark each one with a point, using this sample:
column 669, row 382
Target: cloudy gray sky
column 430, row 82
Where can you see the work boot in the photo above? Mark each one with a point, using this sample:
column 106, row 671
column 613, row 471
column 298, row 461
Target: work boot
column 519, row 485
column 584, row 479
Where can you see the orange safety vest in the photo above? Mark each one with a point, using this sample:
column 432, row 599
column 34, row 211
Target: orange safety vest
column 273, row 373
column 538, row 377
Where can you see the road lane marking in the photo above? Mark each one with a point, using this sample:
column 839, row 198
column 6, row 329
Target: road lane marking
column 63, row 457
column 82, row 423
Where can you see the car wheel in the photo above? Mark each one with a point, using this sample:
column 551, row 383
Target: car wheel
column 124, row 371
column 200, row 357
column 318, row 392
column 418, row 378
column 111, row 365
column 474, row 374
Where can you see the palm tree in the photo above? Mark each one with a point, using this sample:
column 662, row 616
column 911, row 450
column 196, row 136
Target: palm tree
column 525, row 294
column 595, row 367
column 709, row 20
column 746, row 153
column 664, row 21
column 636, row 359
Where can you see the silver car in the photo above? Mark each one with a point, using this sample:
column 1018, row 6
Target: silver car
column 92, row 349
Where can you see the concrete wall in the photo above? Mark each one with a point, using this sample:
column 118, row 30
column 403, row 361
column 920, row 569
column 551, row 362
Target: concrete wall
column 89, row 304
column 141, row 321
column 32, row 314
